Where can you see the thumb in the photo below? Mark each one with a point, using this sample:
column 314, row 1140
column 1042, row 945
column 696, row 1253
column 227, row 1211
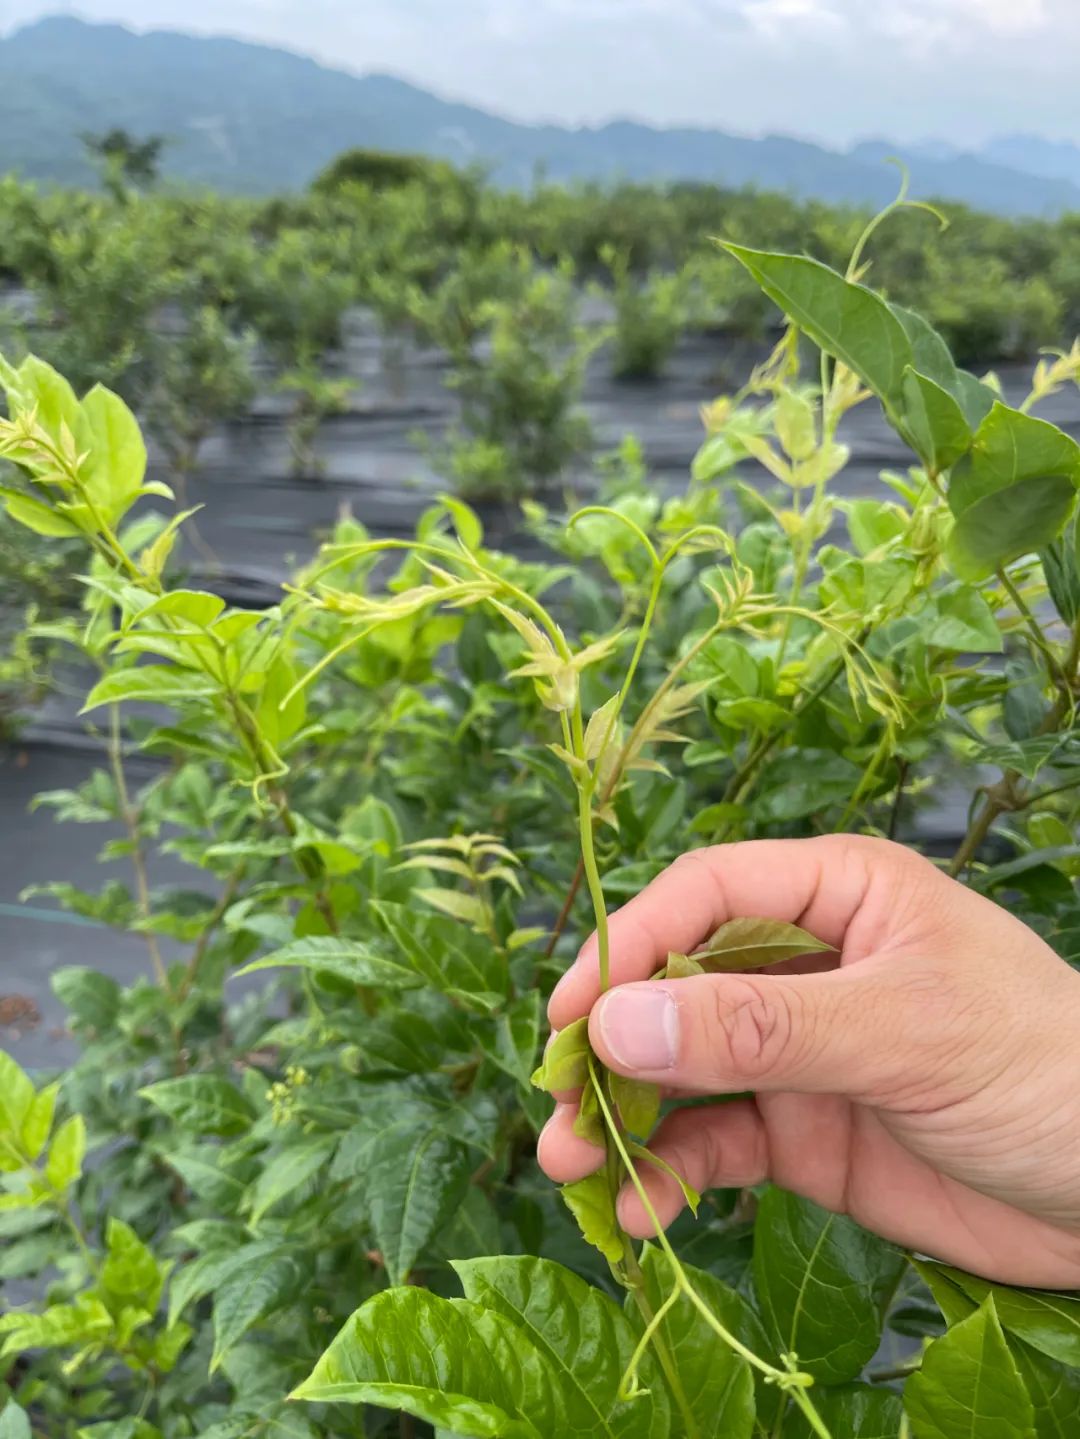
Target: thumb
column 848, row 1032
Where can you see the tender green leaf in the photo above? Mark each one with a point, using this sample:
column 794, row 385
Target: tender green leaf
column 1054, row 1391
column 115, row 464
column 66, row 1153
column 355, row 961
column 821, row 1281
column 591, row 1204
column 130, row 1273
column 202, row 1103
column 14, row 1422
column 153, row 684
column 638, row 1104
column 751, row 943
column 969, row 1386
column 718, row 1384
column 35, row 515
column 16, row 1096
column 566, row 1061
column 467, row 907
column 37, row 1125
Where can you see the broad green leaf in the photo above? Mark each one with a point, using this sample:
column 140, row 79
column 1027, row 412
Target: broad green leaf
column 14, row 1422
column 66, row 1153
column 1012, row 494
column 37, row 1126
column 1047, row 1321
column 969, row 1386
column 92, row 999
column 35, row 515
column 934, row 422
column 821, row 1282
column 751, row 943
column 447, row 1362
column 480, row 1371
column 965, row 623
column 16, row 1096
column 450, row 957
column 1054, row 1391
column 197, row 608
column 154, row 684
column 413, row 1174
column 355, row 961
column 718, row 1384
column 115, row 464
column 248, row 1296
column 638, row 1104
column 202, row 1103
column 295, row 1166
column 566, row 1061
column 591, row 1204
column 35, row 385
column 843, row 319
column 932, row 358
column 130, row 1272
column 467, row 907
column 213, row 1270
column 874, row 523
column 581, row 1334
column 853, row 1411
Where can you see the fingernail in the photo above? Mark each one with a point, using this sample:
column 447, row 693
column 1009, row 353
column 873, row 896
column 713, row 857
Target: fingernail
column 640, row 1028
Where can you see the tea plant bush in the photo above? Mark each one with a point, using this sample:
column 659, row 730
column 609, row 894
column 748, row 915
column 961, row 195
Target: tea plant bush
column 404, row 795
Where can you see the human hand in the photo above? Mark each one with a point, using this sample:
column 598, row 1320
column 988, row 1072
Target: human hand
column 924, row 1080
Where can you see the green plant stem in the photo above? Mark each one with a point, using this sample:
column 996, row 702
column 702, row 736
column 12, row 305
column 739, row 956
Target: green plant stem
column 1042, row 644
column 130, row 817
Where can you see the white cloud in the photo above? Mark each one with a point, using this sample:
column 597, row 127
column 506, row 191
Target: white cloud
column 774, row 18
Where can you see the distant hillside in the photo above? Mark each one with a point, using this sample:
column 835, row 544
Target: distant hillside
column 252, row 119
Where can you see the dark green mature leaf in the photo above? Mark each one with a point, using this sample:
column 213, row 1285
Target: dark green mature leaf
column 845, row 320
column 1054, row 1391
column 854, row 1411
column 964, row 623
column 580, row 1332
column 447, row 955
column 718, row 1384
column 933, row 359
column 203, row 1104
column 821, row 1282
column 355, row 961
column 751, row 943
column 1047, row 1321
column 934, row 422
column 487, row 1371
column 1062, row 571
column 413, row 1172
column 247, row 1296
column 213, row 1270
column 1012, row 493
column 287, row 1172
column 969, row 1386
column 91, row 998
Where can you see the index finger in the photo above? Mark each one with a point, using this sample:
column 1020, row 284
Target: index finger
column 817, row 883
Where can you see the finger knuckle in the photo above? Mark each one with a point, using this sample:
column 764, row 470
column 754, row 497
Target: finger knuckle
column 758, row 1028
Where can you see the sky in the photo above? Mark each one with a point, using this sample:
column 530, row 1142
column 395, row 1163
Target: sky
column 829, row 70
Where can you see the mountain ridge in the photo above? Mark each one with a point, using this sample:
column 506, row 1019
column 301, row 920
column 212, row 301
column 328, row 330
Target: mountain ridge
column 248, row 117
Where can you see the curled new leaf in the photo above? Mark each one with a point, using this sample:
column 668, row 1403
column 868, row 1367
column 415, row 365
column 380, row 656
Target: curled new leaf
column 752, row 943
column 591, row 1203
column 566, row 1063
